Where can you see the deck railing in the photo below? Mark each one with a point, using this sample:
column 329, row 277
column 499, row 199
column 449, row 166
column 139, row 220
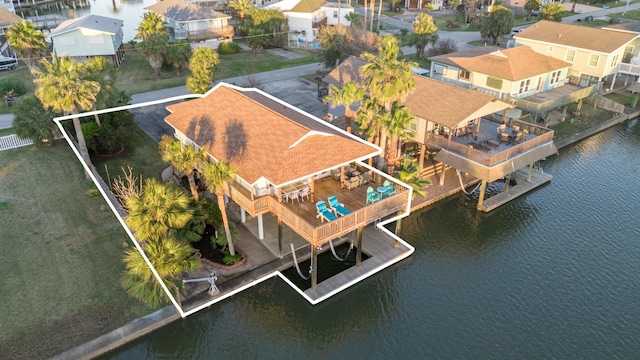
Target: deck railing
column 629, row 69
column 540, row 107
column 195, row 35
column 326, row 231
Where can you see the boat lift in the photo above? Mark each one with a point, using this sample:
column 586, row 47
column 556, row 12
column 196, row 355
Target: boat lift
column 213, row 289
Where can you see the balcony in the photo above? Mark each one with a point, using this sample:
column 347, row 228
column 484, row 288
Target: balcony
column 317, row 24
column 211, row 33
column 555, row 98
column 629, row 69
column 301, row 216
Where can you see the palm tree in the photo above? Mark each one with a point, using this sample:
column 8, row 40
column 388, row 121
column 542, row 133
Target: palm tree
column 424, row 32
column 102, row 71
column 354, row 19
column 349, row 95
column 397, row 122
column 169, row 257
column 202, row 65
column 27, row 42
column 62, row 85
column 160, row 210
column 241, row 7
column 217, row 176
column 155, row 39
column 178, row 54
column 387, row 78
column 184, row 159
column 33, row 121
column 410, row 174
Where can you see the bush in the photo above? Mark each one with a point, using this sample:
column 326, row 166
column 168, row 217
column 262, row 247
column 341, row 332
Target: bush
column 228, row 47
column 16, row 85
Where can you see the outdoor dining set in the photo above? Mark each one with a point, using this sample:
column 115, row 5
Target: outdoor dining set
column 296, row 191
column 387, row 189
column 512, row 134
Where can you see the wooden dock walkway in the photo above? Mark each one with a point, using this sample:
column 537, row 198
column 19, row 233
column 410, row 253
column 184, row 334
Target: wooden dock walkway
column 523, row 186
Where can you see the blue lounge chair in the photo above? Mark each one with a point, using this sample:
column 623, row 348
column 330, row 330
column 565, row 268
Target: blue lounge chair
column 372, row 196
column 391, row 189
column 338, row 208
column 323, row 212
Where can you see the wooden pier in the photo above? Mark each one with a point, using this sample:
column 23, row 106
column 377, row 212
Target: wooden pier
column 538, row 178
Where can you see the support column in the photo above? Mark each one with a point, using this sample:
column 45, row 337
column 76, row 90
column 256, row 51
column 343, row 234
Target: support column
column 312, row 189
column 564, row 113
column 613, row 81
column 423, row 150
column 279, row 238
column 579, row 107
column 529, row 172
column 341, row 177
column 359, row 246
column 261, row 227
column 504, row 116
column 483, row 188
column 314, row 266
column 506, row 183
column 398, row 223
column 243, row 215
column 442, row 174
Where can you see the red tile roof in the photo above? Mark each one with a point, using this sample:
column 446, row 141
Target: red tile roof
column 248, row 128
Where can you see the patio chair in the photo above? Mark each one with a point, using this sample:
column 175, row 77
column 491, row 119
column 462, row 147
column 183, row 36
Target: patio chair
column 294, row 196
column 391, row 189
column 519, row 136
column 324, row 213
column 338, row 208
column 372, row 196
column 504, row 136
column 304, row 193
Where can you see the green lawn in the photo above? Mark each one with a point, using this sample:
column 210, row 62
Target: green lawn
column 588, row 118
column 21, row 73
column 61, row 256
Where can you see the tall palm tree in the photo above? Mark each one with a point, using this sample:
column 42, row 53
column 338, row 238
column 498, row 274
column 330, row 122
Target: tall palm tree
column 202, row 65
column 160, row 210
column 155, row 39
column 178, row 54
column 169, row 257
column 387, row 78
column 185, row 159
column 217, row 176
column 397, row 122
column 27, row 42
column 102, row 71
column 349, row 95
column 424, row 32
column 62, row 85
column 241, row 7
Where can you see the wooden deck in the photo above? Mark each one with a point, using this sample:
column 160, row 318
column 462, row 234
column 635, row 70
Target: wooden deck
column 523, row 186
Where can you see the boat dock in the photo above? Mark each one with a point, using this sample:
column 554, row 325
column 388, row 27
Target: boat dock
column 538, row 178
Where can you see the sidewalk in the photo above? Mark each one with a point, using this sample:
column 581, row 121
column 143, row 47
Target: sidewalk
column 6, row 121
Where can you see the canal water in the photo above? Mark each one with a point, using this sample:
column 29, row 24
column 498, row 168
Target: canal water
column 554, row 274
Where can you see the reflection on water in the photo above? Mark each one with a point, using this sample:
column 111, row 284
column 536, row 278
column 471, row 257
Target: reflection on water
column 553, row 274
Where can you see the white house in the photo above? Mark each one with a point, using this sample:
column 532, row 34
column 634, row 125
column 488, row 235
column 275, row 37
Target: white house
column 307, row 17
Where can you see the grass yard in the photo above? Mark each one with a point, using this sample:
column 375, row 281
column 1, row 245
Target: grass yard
column 142, row 154
column 61, row 256
column 233, row 65
column 589, row 117
column 21, row 73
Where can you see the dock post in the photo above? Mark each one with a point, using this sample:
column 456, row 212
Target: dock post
column 483, row 187
column 442, row 174
column 314, row 266
column 506, row 183
column 529, row 172
column 279, row 238
column 398, row 223
column 359, row 246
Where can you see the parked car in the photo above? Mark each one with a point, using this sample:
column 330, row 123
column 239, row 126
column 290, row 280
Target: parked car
column 8, row 63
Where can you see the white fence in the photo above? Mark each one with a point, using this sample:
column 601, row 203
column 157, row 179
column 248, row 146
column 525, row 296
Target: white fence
column 13, row 141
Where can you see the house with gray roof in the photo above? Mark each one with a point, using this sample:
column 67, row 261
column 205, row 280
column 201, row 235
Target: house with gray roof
column 192, row 22
column 89, row 36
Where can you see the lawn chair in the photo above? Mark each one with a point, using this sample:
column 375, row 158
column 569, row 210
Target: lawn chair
column 338, row 208
column 323, row 212
column 304, row 193
column 372, row 196
column 504, row 137
column 391, row 189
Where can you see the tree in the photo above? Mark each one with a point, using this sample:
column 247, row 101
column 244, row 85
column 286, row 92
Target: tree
column 202, row 65
column 530, row 6
column 552, row 12
column 216, row 177
column 169, row 257
column 424, row 32
column 349, row 95
column 178, row 54
column 354, row 19
column 62, row 85
column 410, row 174
column 387, row 78
column 498, row 23
column 155, row 39
column 33, row 121
column 159, row 211
column 396, row 122
column 241, row 7
column 335, row 42
column 183, row 158
column 257, row 40
column 27, row 42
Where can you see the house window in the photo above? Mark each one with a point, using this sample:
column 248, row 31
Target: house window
column 555, row 77
column 335, row 14
column 570, row 56
column 464, row 74
column 550, row 49
column 413, row 125
column 439, row 69
column 524, row 86
column 628, row 53
column 614, row 61
column 593, row 60
column 96, row 40
column 494, row 82
column 67, row 41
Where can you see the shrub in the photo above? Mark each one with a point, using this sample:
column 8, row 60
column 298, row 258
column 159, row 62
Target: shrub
column 228, row 47
column 16, row 85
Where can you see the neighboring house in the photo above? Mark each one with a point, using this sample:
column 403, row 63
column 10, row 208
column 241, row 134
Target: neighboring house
column 192, row 22
column 89, row 36
column 8, row 4
column 512, row 75
column 7, row 18
column 459, row 125
column 307, row 17
column 422, row 4
column 595, row 54
column 280, row 150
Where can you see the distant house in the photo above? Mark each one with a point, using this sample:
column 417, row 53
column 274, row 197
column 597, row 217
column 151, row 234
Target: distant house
column 422, row 4
column 7, row 18
column 307, row 17
column 89, row 36
column 595, row 54
column 192, row 22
